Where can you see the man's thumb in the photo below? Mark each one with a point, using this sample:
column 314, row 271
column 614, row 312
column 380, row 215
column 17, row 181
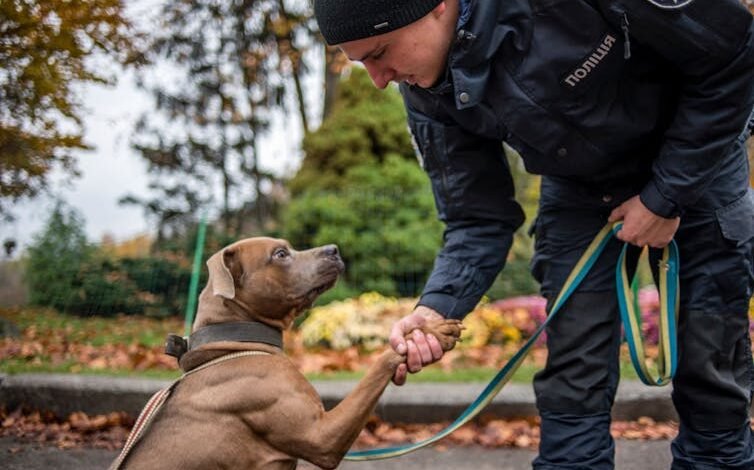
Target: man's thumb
column 397, row 341
column 616, row 215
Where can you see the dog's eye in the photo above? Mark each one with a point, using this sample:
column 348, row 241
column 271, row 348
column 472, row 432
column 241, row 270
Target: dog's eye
column 280, row 253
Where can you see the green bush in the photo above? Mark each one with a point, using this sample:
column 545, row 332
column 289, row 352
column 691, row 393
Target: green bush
column 383, row 220
column 104, row 290
column 64, row 271
column 361, row 187
column 162, row 283
column 56, row 259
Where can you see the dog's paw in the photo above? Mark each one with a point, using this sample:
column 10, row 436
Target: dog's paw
column 446, row 331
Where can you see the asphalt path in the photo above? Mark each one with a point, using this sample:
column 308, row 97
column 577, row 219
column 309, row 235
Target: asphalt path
column 630, row 455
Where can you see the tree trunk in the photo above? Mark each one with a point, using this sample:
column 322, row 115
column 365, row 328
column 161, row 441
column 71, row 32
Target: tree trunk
column 335, row 61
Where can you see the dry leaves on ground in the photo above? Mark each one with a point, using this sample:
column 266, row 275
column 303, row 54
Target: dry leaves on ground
column 77, row 430
column 110, row 431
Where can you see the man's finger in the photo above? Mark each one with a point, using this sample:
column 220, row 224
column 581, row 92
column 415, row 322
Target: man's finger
column 617, row 214
column 435, row 347
column 413, row 360
column 421, row 345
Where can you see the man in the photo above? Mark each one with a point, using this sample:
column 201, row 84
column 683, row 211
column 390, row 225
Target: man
column 632, row 110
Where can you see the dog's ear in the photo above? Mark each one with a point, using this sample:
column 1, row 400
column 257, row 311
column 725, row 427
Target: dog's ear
column 225, row 270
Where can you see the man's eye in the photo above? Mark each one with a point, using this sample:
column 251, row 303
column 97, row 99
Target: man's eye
column 379, row 54
column 280, row 253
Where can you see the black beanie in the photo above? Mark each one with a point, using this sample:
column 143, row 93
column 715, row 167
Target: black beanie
column 348, row 20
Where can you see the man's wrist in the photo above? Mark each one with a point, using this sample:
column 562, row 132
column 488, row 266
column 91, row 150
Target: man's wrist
column 653, row 200
column 427, row 312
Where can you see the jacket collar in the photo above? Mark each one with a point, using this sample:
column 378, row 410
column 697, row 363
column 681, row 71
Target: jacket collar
column 485, row 29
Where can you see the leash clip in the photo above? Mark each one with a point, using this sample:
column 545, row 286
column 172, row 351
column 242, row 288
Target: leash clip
column 666, row 266
column 176, row 345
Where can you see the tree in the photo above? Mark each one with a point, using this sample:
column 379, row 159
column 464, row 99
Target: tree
column 360, row 186
column 56, row 259
column 365, row 126
column 231, row 63
column 46, row 49
column 383, row 220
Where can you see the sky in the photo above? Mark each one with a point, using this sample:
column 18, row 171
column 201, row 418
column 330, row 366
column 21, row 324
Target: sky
column 112, row 169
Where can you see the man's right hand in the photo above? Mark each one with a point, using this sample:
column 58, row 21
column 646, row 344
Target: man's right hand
column 420, row 349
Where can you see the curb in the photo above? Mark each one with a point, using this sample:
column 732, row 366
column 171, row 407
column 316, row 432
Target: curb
column 63, row 394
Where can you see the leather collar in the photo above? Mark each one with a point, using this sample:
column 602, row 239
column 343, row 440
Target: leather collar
column 243, row 332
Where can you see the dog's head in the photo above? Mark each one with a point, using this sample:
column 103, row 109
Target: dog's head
column 266, row 280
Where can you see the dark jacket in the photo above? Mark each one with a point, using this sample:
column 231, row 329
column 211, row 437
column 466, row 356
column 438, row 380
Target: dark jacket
column 599, row 93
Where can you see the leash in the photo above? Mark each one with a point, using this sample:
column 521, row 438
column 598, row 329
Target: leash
column 628, row 303
column 155, row 403
column 631, row 316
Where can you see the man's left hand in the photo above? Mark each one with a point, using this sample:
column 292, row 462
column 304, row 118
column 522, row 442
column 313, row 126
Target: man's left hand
column 642, row 227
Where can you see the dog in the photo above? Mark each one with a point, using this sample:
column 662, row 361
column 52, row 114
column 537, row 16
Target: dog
column 257, row 411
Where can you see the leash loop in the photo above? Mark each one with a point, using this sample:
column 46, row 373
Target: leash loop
column 628, row 303
column 667, row 359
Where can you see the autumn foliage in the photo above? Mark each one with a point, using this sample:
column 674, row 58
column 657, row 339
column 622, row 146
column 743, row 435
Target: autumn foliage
column 47, row 50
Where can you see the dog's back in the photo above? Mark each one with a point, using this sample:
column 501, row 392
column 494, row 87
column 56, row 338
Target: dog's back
column 208, row 420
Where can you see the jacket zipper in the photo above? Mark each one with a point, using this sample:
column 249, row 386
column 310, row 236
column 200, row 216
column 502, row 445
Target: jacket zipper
column 626, row 39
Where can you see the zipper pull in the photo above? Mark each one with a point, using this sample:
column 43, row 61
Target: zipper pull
column 626, row 39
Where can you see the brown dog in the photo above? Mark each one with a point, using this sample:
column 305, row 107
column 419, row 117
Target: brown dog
column 258, row 411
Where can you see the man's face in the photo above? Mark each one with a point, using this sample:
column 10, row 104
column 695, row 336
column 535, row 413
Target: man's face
column 414, row 54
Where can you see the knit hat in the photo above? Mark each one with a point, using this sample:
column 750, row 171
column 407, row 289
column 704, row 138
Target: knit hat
column 348, row 20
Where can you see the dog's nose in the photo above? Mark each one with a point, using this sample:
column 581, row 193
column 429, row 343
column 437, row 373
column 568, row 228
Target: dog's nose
column 330, row 250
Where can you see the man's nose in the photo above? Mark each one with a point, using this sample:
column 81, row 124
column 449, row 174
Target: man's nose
column 380, row 76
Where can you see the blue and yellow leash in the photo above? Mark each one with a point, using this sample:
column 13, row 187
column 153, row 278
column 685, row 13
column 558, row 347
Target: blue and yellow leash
column 631, row 316
column 630, row 312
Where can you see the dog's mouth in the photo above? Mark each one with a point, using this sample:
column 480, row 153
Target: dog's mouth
column 328, row 278
column 317, row 291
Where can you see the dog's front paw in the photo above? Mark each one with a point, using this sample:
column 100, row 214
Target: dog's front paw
column 446, row 331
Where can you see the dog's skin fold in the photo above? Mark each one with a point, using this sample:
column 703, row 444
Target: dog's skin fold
column 260, row 412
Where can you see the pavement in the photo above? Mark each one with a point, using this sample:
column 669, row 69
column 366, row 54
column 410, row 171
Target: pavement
column 411, row 403
column 629, row 455
column 414, row 402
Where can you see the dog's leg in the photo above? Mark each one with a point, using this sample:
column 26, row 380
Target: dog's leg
column 329, row 436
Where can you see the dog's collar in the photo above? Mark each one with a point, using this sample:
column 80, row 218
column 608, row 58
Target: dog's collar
column 244, row 332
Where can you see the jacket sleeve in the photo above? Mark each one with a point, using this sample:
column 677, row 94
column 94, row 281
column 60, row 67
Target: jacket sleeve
column 711, row 45
column 474, row 196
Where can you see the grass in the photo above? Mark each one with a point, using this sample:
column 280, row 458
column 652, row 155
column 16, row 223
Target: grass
column 16, row 366
column 525, row 374
column 435, row 374
column 94, row 330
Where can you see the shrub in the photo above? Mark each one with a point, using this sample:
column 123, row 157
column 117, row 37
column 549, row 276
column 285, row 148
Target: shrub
column 365, row 321
column 64, row 271
column 56, row 259
column 361, row 187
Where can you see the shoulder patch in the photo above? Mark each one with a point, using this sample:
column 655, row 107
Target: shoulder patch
column 670, row 4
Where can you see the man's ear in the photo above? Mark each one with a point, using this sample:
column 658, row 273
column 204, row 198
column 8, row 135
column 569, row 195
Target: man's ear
column 224, row 270
column 440, row 9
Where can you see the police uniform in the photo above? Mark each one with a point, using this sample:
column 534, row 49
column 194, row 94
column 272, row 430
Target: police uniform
column 607, row 99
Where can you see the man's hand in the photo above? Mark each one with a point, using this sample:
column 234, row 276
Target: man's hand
column 420, row 349
column 642, row 227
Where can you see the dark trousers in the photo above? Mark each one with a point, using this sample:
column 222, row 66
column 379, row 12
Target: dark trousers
column 713, row 384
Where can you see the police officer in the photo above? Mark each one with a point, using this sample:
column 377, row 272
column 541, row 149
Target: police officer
column 632, row 110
